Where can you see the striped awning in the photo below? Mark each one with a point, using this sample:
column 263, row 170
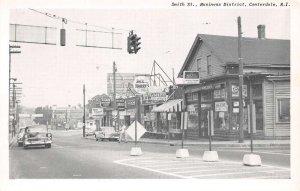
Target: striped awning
column 170, row 106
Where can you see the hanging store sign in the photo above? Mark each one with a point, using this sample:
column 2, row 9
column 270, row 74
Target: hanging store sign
column 130, row 102
column 120, row 104
column 154, row 98
column 105, row 102
column 221, row 106
column 191, row 77
column 235, row 90
column 141, row 84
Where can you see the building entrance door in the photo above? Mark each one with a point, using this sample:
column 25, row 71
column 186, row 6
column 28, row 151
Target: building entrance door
column 204, row 123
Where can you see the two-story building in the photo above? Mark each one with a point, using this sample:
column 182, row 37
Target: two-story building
column 266, row 72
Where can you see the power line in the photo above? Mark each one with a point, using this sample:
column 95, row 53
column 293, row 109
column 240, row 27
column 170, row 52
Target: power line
column 65, row 20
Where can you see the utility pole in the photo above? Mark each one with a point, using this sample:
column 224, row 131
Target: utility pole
column 241, row 81
column 83, row 128
column 115, row 103
column 114, row 81
column 11, row 51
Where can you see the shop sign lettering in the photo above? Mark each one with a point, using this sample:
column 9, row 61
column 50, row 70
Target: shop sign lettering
column 235, row 91
column 221, row 106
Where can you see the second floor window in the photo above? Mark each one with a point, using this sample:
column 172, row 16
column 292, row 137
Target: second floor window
column 209, row 71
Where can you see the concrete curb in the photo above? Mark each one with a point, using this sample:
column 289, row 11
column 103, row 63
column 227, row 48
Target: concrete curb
column 206, row 144
column 220, row 145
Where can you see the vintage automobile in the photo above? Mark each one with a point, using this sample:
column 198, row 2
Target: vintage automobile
column 20, row 136
column 37, row 135
column 107, row 133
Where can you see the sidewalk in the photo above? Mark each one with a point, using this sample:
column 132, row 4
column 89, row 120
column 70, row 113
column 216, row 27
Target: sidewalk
column 218, row 144
column 205, row 143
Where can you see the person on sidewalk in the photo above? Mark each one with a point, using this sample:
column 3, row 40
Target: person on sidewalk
column 123, row 134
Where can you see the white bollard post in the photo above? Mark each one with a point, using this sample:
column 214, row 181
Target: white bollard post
column 252, row 160
column 182, row 153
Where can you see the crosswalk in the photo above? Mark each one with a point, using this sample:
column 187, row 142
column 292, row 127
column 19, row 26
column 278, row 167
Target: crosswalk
column 195, row 168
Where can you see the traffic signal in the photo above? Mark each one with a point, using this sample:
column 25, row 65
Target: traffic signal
column 136, row 44
column 130, row 43
column 133, row 43
column 62, row 37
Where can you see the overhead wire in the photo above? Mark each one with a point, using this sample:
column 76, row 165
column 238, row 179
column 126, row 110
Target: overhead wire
column 76, row 22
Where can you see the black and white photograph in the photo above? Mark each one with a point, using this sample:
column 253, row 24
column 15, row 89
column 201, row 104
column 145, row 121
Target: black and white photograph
column 173, row 95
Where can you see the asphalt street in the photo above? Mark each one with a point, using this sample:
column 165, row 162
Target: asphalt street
column 75, row 157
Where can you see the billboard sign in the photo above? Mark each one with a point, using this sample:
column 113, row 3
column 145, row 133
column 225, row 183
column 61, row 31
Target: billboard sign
column 154, row 98
column 191, row 77
column 141, row 84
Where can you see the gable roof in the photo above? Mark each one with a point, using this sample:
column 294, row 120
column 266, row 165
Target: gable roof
column 255, row 51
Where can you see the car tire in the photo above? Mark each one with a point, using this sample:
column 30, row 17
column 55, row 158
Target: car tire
column 25, row 147
column 48, row 146
column 20, row 144
column 96, row 139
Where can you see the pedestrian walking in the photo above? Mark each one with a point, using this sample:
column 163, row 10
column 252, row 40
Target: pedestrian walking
column 123, row 134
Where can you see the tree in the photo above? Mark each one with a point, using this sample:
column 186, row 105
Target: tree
column 47, row 115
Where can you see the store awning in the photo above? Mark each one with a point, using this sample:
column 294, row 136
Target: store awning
column 170, row 106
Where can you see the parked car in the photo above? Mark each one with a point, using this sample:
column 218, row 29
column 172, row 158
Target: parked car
column 20, row 136
column 107, row 133
column 36, row 135
column 89, row 131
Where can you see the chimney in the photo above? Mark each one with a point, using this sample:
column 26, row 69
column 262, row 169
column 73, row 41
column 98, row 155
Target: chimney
column 261, row 31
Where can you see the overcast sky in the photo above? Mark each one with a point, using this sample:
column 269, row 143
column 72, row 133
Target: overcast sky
column 54, row 75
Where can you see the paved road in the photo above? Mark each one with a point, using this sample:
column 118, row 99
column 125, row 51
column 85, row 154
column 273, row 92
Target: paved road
column 73, row 157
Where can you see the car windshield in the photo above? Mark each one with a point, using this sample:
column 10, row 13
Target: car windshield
column 108, row 129
column 37, row 129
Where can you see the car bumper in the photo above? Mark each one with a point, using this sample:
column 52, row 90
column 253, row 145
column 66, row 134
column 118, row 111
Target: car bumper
column 30, row 143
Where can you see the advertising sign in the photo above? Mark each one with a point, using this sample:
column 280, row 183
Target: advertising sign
column 235, row 90
column 221, row 106
column 97, row 112
column 154, row 98
column 191, row 77
column 141, row 84
column 130, row 102
column 120, row 104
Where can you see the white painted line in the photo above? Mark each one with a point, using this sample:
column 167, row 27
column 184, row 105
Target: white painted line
column 76, row 175
column 152, row 170
column 43, row 167
column 262, row 152
column 221, row 174
column 219, row 169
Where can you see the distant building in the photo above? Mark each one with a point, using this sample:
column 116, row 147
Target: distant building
column 69, row 117
column 122, row 82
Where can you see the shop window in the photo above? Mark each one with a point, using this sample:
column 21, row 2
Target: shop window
column 206, row 96
column 189, row 97
column 257, row 90
column 283, row 110
column 195, row 96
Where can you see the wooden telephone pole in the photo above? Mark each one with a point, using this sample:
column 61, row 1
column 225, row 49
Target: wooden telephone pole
column 241, row 81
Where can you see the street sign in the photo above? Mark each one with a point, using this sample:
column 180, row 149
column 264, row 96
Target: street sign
column 140, row 130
